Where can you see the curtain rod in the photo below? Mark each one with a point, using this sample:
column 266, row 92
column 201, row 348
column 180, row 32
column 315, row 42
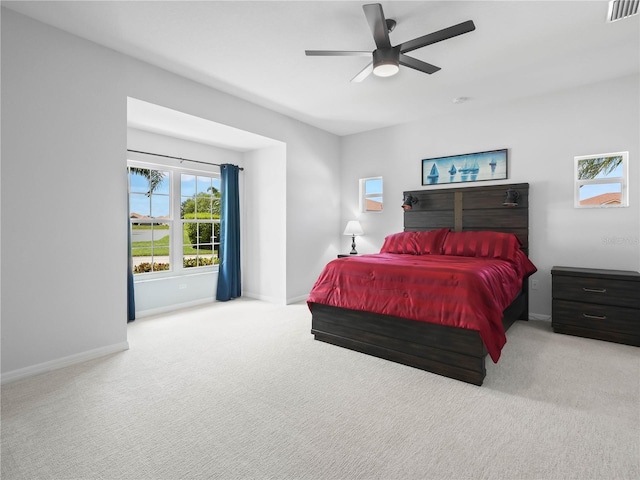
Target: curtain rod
column 177, row 158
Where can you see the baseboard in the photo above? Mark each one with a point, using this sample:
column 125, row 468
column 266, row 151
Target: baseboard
column 44, row 367
column 278, row 301
column 539, row 316
column 264, row 298
column 172, row 308
column 297, row 299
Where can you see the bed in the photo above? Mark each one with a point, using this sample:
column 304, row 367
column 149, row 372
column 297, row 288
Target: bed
column 412, row 335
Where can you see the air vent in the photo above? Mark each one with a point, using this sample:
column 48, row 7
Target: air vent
column 619, row 9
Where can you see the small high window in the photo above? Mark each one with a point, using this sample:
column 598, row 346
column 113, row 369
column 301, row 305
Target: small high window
column 601, row 180
column 371, row 194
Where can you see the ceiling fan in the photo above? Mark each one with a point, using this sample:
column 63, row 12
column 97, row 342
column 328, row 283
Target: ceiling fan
column 386, row 58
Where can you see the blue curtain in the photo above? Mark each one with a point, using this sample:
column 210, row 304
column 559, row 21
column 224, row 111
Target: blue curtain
column 131, row 302
column 229, row 285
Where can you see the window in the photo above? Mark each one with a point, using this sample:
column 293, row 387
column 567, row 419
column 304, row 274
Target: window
column 150, row 216
column 601, row 180
column 175, row 219
column 200, row 214
column 371, row 194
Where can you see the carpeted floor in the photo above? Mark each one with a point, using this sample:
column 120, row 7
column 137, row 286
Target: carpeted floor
column 240, row 390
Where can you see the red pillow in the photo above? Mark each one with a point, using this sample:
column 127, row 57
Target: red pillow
column 403, row 242
column 482, row 244
column 415, row 243
column 431, row 242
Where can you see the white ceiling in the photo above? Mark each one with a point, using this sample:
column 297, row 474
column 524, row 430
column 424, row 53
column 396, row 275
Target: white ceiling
column 166, row 121
column 255, row 50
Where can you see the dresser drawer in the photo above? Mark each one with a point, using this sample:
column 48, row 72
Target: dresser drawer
column 595, row 317
column 604, row 291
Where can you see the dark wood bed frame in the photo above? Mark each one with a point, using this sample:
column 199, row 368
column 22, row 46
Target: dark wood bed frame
column 453, row 352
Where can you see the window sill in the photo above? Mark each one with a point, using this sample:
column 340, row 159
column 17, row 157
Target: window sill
column 154, row 277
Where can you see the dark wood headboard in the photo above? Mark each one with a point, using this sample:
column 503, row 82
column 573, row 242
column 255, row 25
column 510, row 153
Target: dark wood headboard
column 471, row 208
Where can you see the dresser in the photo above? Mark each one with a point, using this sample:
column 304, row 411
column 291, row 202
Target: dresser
column 596, row 303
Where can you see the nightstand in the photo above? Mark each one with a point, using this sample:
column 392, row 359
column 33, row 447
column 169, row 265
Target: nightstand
column 596, row 303
column 342, row 255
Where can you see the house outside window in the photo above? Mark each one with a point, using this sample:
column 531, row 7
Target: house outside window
column 371, row 199
column 175, row 220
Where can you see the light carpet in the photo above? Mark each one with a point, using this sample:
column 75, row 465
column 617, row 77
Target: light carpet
column 240, row 390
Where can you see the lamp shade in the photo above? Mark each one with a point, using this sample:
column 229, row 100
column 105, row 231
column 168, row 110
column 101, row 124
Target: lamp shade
column 353, row 228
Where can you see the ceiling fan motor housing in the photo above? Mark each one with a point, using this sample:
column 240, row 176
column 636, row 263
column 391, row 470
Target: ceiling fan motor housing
column 386, row 61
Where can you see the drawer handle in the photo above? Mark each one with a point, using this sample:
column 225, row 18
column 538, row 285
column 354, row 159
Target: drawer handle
column 595, row 290
column 596, row 317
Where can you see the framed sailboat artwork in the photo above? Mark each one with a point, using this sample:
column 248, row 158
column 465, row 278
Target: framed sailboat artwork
column 466, row 168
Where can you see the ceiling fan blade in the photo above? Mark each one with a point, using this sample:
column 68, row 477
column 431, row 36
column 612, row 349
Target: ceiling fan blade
column 377, row 24
column 417, row 64
column 438, row 36
column 364, row 73
column 335, row 53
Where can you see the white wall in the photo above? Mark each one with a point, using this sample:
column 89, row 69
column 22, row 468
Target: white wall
column 64, row 132
column 64, row 194
column 313, row 205
column 265, row 218
column 543, row 134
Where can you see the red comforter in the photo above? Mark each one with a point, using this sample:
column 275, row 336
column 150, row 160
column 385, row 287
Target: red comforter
column 466, row 292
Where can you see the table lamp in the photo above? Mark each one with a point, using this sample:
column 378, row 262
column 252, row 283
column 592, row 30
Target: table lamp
column 353, row 228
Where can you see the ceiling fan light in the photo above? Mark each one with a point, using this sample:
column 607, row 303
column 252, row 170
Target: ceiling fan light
column 385, row 70
column 386, row 62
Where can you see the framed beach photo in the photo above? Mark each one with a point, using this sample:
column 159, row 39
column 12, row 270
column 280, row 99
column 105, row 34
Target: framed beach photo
column 467, row 168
